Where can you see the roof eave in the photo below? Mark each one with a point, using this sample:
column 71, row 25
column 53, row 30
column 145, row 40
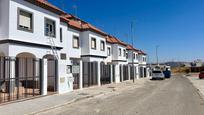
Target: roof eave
column 47, row 7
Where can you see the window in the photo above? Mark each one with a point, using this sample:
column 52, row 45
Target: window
column 120, row 52
column 124, row 53
column 75, row 42
column 93, row 43
column 109, row 51
column 50, row 28
column 25, row 20
column 134, row 55
column 144, row 59
column 69, row 69
column 61, row 35
column 102, row 46
column 137, row 56
column 63, row 56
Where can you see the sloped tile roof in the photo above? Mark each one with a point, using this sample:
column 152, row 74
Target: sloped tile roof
column 80, row 24
column 130, row 47
column 46, row 5
column 142, row 52
column 114, row 40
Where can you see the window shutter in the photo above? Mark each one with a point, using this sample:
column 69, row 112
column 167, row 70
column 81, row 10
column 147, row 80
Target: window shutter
column 76, row 42
column 93, row 43
column 25, row 20
column 101, row 45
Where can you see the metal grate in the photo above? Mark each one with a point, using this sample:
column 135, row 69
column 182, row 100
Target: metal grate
column 19, row 78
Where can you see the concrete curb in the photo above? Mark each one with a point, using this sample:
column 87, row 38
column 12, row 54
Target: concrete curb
column 67, row 103
column 200, row 94
column 75, row 100
column 131, row 87
column 198, row 90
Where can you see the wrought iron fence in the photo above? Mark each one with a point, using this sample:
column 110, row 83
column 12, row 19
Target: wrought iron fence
column 19, row 78
column 52, row 75
column 105, row 73
column 125, row 72
column 90, row 71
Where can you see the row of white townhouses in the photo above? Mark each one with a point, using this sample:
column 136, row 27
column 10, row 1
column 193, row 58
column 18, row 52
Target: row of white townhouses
column 45, row 50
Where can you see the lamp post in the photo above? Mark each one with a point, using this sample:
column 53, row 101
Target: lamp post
column 132, row 39
column 157, row 47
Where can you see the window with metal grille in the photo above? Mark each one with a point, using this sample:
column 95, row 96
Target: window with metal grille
column 120, row 52
column 102, row 46
column 124, row 53
column 61, row 36
column 109, row 51
column 50, row 28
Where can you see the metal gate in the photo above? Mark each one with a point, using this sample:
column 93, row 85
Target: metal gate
column 90, row 71
column 125, row 72
column 105, row 73
column 76, row 73
column 141, row 72
column 19, row 78
column 145, row 72
column 121, row 73
column 113, row 73
column 52, row 75
column 132, row 72
column 76, row 80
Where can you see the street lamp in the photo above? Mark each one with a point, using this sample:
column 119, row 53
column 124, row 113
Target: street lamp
column 132, row 24
column 157, row 47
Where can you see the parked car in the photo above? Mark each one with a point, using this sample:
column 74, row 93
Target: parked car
column 167, row 73
column 201, row 75
column 158, row 74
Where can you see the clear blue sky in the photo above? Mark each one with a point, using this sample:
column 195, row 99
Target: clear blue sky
column 176, row 25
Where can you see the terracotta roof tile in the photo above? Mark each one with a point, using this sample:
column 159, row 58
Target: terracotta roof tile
column 141, row 52
column 108, row 39
column 46, row 5
column 114, row 40
column 80, row 24
column 130, row 47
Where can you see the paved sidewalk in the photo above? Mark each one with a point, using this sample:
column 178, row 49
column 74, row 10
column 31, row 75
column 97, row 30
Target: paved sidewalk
column 198, row 83
column 48, row 102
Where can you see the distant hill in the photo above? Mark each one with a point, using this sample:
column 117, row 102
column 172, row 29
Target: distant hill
column 175, row 64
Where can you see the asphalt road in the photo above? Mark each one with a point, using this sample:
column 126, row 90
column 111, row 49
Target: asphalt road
column 175, row 96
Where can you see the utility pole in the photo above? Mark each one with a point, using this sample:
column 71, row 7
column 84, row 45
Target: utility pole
column 62, row 5
column 157, row 46
column 75, row 8
column 132, row 26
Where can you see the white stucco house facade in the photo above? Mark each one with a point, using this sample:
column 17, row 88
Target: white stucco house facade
column 68, row 47
column 117, row 56
column 133, row 59
column 143, row 70
column 26, row 28
column 92, row 43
